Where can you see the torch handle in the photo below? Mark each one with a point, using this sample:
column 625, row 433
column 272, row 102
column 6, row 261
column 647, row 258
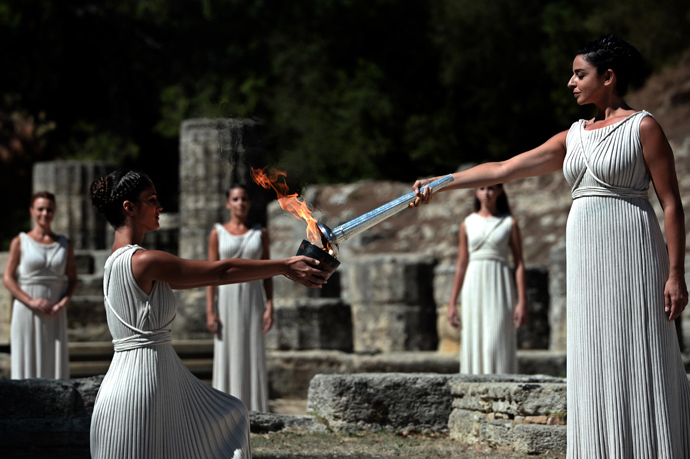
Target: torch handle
column 353, row 227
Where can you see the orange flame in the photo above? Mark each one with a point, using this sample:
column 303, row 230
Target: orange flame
column 290, row 202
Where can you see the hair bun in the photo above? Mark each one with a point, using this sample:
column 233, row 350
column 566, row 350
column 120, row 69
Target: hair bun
column 100, row 194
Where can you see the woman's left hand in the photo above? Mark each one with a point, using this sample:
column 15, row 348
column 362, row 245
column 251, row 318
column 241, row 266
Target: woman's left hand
column 520, row 315
column 675, row 296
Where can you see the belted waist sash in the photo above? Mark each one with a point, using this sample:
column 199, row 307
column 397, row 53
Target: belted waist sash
column 488, row 256
column 618, row 192
column 144, row 339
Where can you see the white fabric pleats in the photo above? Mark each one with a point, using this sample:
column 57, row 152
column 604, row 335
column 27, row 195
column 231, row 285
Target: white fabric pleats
column 488, row 342
column 39, row 341
column 149, row 405
column 239, row 355
column 628, row 394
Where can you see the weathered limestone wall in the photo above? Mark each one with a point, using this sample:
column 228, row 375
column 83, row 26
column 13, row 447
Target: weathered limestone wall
column 524, row 413
column 213, row 154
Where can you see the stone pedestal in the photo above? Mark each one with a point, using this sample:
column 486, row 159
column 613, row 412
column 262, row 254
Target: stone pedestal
column 70, row 182
column 392, row 302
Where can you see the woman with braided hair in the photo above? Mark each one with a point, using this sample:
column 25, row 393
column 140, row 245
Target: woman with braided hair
column 628, row 393
column 149, row 405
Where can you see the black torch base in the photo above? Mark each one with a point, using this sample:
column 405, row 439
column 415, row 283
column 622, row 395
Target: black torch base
column 328, row 262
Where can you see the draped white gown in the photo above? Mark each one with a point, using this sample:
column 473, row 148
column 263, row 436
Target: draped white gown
column 488, row 341
column 149, row 405
column 239, row 350
column 628, row 394
column 39, row 341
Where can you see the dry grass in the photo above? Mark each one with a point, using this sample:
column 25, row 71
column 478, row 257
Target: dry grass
column 296, row 445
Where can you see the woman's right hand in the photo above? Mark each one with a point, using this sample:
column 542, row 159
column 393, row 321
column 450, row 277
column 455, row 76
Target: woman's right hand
column 453, row 316
column 41, row 305
column 422, row 197
column 299, row 271
column 213, row 322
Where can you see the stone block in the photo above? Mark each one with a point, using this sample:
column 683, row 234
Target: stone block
column 535, row 333
column 539, row 439
column 464, row 426
column 391, row 402
column 514, row 399
column 394, row 327
column 311, row 324
column 86, row 319
column 392, row 278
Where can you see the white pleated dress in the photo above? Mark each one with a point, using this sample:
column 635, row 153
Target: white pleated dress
column 488, row 342
column 628, row 394
column 239, row 351
column 39, row 342
column 149, row 405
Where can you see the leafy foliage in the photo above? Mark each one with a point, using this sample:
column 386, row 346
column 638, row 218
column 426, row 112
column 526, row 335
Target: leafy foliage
column 347, row 89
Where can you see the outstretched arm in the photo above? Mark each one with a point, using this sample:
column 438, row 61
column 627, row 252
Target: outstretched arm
column 154, row 265
column 544, row 159
column 660, row 163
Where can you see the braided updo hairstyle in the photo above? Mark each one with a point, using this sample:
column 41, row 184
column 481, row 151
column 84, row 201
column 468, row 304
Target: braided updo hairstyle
column 611, row 52
column 110, row 191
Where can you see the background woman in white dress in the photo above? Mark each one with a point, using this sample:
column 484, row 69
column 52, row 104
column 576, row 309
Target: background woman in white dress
column 244, row 312
column 149, row 405
column 490, row 313
column 628, row 394
column 47, row 280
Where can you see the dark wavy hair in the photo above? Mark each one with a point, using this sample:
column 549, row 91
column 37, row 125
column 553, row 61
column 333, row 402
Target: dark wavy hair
column 612, row 52
column 502, row 204
column 110, row 191
column 237, row 185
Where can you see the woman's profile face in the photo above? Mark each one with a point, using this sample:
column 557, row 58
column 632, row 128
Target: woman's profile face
column 42, row 211
column 238, row 202
column 587, row 85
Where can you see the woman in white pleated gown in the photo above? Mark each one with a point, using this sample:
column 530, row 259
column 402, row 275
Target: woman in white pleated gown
column 244, row 312
column 41, row 275
column 491, row 309
column 628, row 393
column 149, row 405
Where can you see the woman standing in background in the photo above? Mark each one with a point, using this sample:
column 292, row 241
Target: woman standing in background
column 243, row 314
column 490, row 314
column 47, row 280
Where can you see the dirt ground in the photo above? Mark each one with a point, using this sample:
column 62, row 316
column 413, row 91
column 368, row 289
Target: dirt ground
column 372, row 445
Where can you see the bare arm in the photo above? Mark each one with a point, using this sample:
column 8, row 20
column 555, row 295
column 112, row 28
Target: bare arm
column 459, row 278
column 9, row 279
column 154, row 265
column 660, row 163
column 212, row 321
column 268, row 283
column 520, row 315
column 71, row 273
column 544, row 159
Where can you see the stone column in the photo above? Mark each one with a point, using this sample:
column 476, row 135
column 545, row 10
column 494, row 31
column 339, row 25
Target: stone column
column 213, row 154
column 392, row 303
column 70, row 182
